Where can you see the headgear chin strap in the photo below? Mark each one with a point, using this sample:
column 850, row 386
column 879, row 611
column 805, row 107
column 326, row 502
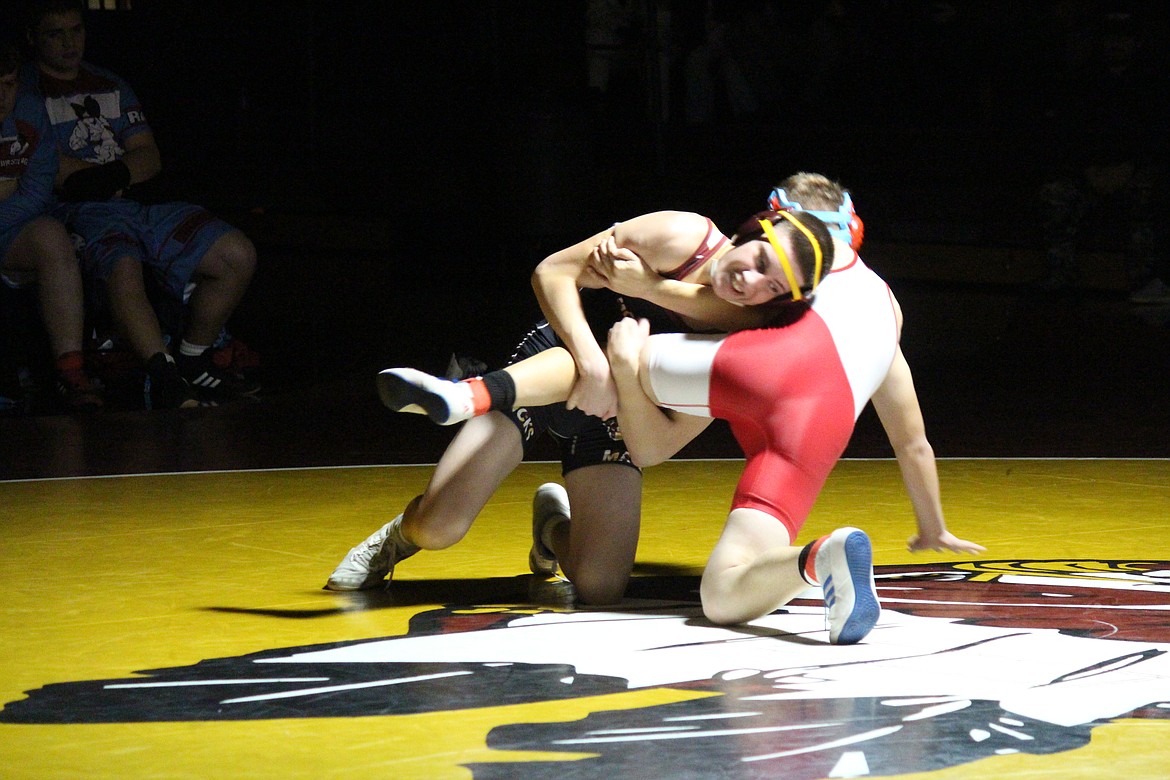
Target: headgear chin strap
column 782, row 256
column 842, row 223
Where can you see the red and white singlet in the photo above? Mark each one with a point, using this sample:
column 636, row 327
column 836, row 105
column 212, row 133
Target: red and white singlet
column 791, row 394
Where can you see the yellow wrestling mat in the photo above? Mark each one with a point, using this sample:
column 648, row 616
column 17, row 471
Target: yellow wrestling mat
column 174, row 626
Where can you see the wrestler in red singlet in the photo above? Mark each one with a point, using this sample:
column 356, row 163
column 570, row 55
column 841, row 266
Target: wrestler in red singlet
column 791, row 394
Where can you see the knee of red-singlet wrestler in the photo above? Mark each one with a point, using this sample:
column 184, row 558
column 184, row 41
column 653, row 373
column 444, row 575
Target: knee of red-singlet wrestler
column 717, row 607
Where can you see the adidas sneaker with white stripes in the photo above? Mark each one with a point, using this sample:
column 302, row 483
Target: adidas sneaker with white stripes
column 844, row 568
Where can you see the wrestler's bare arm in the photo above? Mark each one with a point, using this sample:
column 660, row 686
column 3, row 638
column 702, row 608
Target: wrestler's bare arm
column 664, row 239
column 652, row 434
column 625, row 272
column 141, row 156
column 897, row 406
column 556, row 281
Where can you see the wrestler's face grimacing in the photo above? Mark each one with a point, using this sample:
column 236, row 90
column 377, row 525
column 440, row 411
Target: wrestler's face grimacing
column 750, row 274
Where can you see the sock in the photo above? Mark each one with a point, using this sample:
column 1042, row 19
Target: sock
column 495, row 390
column 71, row 369
column 403, row 546
column 70, row 365
column 187, row 349
column 808, row 561
column 481, row 399
column 70, row 361
column 502, row 389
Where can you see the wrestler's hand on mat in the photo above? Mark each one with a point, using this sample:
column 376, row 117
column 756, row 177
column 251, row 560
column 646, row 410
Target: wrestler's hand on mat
column 624, row 272
column 594, row 391
column 627, row 337
column 945, row 541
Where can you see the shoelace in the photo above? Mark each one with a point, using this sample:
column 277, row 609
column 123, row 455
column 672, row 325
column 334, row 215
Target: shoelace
column 370, row 549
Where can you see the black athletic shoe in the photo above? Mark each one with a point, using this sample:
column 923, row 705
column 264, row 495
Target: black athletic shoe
column 168, row 390
column 211, row 383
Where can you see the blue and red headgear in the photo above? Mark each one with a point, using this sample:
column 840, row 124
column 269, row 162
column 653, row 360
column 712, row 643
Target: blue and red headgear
column 842, row 223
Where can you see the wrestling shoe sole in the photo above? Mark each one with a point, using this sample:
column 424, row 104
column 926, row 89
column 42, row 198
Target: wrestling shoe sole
column 403, row 390
column 845, row 568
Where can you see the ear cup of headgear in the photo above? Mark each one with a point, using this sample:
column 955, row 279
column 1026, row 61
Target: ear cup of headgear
column 856, row 232
column 856, row 226
column 842, row 222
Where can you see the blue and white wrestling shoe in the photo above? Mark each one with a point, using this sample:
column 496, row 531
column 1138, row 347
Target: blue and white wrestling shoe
column 416, row 392
column 844, row 567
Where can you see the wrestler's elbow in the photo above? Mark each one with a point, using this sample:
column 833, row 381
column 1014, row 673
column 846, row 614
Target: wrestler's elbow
column 537, row 278
column 916, row 449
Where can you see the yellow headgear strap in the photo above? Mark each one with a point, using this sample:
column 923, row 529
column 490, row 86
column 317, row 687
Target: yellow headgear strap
column 785, row 263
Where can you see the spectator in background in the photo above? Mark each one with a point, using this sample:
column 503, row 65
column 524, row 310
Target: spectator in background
column 732, row 71
column 616, row 51
column 34, row 247
column 835, row 87
column 1111, row 114
column 106, row 146
column 839, row 52
column 714, row 77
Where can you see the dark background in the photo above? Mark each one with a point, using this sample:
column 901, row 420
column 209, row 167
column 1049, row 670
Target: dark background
column 942, row 117
column 402, row 168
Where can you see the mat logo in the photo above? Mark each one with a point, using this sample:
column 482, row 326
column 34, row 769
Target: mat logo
column 985, row 657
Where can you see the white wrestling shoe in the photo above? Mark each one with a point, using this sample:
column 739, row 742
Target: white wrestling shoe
column 370, row 563
column 417, row 392
column 844, row 567
column 549, row 503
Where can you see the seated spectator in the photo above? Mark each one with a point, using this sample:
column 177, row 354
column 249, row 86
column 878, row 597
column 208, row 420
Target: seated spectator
column 34, row 247
column 106, row 147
